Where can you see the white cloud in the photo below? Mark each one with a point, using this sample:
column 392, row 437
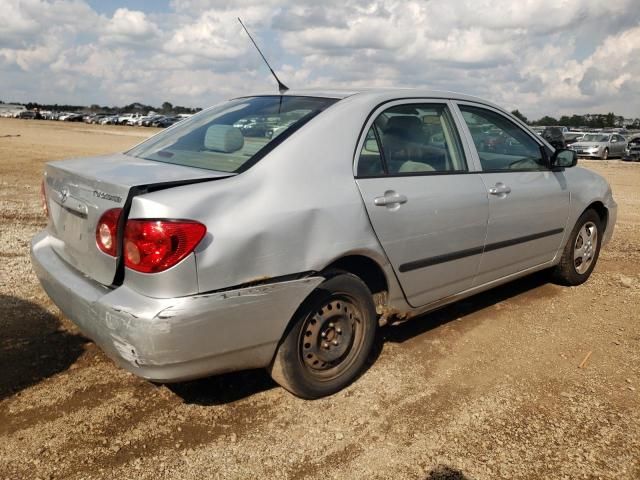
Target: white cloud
column 540, row 56
column 127, row 26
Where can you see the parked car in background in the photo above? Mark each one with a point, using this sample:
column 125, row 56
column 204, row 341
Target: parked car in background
column 96, row 119
column 254, row 128
column 555, row 136
column 26, row 115
column 600, row 145
column 128, row 118
column 632, row 151
column 201, row 251
column 71, row 117
column 148, row 121
column 572, row 137
column 165, row 122
column 109, row 120
column 277, row 130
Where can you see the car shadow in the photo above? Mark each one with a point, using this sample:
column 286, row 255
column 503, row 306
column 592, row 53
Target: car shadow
column 225, row 388
column 33, row 346
column 443, row 472
column 234, row 386
column 402, row 332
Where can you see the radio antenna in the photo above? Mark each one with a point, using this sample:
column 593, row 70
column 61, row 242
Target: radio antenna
column 281, row 86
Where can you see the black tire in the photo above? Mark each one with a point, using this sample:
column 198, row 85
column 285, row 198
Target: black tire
column 575, row 268
column 605, row 154
column 329, row 339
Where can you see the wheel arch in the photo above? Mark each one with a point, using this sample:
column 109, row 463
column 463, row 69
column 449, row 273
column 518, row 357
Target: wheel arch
column 601, row 210
column 365, row 268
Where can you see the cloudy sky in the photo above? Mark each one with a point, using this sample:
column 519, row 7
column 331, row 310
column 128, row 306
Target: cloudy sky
column 542, row 57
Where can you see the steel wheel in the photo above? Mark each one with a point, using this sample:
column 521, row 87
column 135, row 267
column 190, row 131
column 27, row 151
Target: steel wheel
column 331, row 337
column 585, row 247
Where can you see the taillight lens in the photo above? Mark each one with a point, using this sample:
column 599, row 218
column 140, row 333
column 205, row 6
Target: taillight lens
column 43, row 199
column 151, row 246
column 107, row 231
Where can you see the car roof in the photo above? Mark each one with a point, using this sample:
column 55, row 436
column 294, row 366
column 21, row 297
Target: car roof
column 381, row 94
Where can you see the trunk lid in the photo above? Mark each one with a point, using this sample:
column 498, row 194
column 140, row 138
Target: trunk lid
column 80, row 191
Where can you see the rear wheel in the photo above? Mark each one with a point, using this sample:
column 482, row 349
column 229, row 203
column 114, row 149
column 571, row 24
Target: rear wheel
column 605, row 154
column 329, row 340
column 581, row 251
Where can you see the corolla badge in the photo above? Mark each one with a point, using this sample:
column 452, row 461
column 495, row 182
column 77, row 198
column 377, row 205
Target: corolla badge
column 63, row 194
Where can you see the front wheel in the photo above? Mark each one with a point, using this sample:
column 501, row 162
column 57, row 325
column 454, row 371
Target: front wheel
column 329, row 339
column 605, row 154
column 581, row 251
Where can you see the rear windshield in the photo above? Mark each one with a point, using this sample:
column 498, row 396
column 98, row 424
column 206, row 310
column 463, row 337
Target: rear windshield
column 231, row 136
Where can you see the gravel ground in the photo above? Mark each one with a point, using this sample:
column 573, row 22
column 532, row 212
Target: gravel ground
column 487, row 388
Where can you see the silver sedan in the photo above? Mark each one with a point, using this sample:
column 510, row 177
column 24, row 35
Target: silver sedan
column 208, row 248
column 600, row 145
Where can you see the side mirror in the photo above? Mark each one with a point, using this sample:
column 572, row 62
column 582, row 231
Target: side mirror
column 613, row 140
column 563, row 158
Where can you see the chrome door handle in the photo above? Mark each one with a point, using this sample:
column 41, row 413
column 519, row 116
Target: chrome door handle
column 499, row 189
column 390, row 198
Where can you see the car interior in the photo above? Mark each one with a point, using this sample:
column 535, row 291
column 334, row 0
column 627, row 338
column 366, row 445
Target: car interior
column 414, row 139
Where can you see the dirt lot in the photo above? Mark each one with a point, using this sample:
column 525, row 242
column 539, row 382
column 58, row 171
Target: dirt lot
column 487, row 388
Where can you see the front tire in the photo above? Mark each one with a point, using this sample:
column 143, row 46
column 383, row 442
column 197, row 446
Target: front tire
column 330, row 337
column 581, row 251
column 605, row 154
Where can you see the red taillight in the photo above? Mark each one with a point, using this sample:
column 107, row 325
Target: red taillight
column 43, row 199
column 107, row 231
column 151, row 246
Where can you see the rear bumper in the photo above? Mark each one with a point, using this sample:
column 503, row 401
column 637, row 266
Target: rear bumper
column 173, row 339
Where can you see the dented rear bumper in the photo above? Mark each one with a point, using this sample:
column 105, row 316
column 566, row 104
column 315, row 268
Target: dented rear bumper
column 173, row 339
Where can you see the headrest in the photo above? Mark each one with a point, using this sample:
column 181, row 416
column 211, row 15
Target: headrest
column 223, row 138
column 410, row 166
column 404, row 122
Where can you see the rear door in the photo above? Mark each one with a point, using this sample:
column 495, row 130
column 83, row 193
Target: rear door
column 528, row 203
column 427, row 206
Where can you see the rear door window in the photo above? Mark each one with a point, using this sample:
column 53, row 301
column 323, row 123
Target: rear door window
column 412, row 139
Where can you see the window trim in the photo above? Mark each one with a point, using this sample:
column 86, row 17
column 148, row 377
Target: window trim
column 472, row 166
column 466, row 132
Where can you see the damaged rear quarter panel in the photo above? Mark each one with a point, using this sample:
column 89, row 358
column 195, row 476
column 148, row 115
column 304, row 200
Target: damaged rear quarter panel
column 190, row 328
column 296, row 210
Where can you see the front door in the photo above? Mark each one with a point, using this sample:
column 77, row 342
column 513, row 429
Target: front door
column 427, row 208
column 528, row 203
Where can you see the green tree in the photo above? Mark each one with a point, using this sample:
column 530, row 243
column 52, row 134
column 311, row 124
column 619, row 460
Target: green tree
column 167, row 107
column 516, row 113
column 547, row 120
column 576, row 121
column 610, row 120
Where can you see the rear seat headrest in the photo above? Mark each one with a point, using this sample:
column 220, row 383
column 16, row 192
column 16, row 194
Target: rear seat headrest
column 223, row 138
column 403, row 122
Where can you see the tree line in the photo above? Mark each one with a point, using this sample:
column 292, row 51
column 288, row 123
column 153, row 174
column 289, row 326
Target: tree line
column 166, row 108
column 592, row 120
